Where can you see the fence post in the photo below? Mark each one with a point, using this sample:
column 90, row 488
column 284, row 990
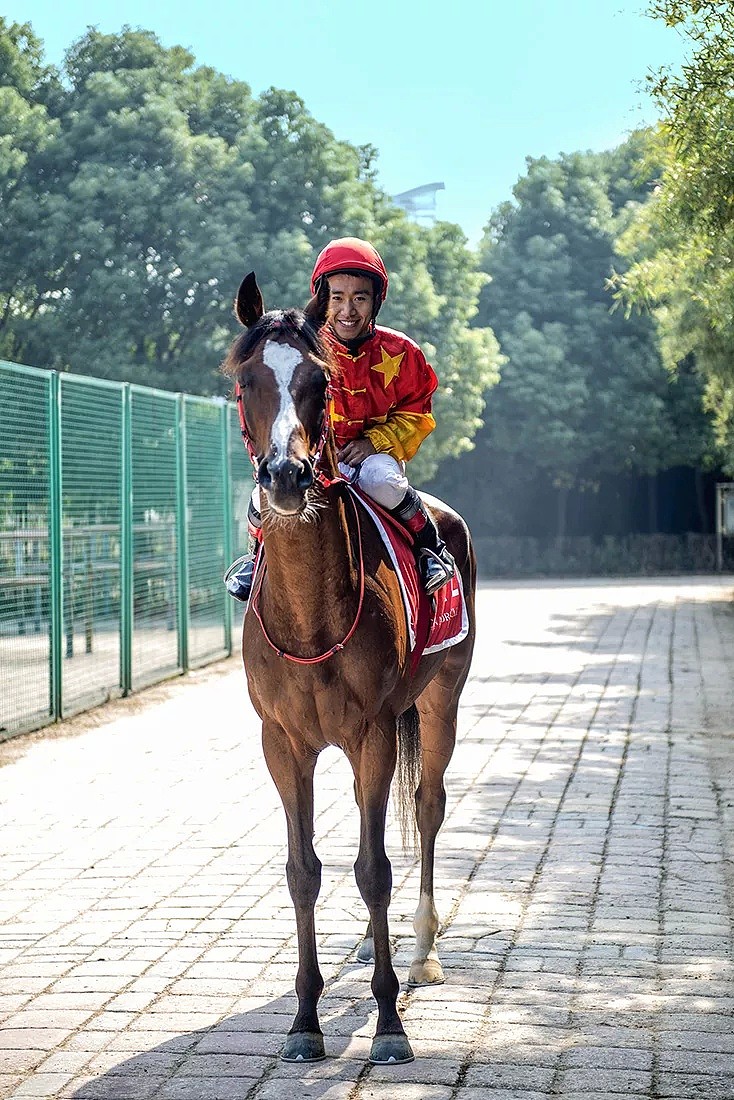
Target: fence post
column 126, row 544
column 227, row 519
column 182, row 535
column 56, row 551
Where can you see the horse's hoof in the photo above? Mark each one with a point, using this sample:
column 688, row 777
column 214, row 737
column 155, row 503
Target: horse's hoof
column 304, row 1046
column 425, row 972
column 391, row 1050
column 366, row 952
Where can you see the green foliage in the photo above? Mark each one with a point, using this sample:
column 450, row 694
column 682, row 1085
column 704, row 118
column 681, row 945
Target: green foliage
column 699, row 112
column 680, row 249
column 135, row 194
column 583, row 392
column 21, row 63
column 433, row 296
column 470, row 356
column 26, row 132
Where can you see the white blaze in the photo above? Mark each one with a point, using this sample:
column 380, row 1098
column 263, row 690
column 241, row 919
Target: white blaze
column 282, row 360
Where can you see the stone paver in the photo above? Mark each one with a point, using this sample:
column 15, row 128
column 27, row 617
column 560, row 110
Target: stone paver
column 147, row 942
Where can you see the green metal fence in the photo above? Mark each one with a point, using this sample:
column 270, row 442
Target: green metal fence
column 120, row 507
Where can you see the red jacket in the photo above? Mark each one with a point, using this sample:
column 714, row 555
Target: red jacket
column 384, row 393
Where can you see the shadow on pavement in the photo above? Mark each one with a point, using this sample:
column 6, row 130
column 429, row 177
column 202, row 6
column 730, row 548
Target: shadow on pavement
column 576, row 935
column 226, row 1060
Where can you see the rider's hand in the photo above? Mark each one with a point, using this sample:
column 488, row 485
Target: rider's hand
column 356, row 451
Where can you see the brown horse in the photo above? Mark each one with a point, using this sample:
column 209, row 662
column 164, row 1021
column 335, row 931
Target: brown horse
column 327, row 656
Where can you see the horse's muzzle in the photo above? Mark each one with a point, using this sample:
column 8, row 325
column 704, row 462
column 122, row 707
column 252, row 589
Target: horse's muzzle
column 286, row 481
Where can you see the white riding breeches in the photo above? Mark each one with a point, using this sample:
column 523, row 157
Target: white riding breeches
column 381, row 477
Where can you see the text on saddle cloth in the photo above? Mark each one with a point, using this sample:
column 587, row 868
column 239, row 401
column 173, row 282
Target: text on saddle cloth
column 449, row 620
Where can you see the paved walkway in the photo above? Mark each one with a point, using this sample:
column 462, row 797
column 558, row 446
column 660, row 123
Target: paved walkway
column 584, row 878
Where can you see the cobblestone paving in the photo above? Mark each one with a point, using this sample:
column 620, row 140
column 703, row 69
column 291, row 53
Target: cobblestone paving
column 147, row 944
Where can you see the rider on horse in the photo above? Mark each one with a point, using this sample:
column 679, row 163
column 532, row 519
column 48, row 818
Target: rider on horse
column 381, row 407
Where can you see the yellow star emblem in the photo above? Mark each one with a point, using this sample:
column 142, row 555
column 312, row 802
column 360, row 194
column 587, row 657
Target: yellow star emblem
column 390, row 366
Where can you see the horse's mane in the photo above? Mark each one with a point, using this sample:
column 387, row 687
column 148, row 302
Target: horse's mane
column 279, row 322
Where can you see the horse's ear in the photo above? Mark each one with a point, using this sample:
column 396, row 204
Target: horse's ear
column 248, row 305
column 317, row 308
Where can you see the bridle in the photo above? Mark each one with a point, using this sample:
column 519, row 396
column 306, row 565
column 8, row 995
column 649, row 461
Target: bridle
column 326, row 480
column 314, row 456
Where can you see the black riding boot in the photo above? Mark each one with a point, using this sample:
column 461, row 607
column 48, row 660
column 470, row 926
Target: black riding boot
column 436, row 565
column 238, row 578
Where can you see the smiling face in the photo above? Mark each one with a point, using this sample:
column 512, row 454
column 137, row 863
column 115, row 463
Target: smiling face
column 350, row 305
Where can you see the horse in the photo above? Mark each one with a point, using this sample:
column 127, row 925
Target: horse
column 327, row 657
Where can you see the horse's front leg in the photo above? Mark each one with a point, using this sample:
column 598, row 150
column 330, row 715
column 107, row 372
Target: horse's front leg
column 373, row 769
column 292, row 771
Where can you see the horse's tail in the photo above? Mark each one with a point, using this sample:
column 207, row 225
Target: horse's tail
column 408, row 775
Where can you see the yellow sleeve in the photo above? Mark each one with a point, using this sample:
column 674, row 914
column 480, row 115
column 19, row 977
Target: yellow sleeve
column 402, row 434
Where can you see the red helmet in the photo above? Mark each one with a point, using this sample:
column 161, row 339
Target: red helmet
column 351, row 256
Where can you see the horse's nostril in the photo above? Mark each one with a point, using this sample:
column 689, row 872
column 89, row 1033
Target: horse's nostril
column 288, row 475
column 304, row 480
column 263, row 474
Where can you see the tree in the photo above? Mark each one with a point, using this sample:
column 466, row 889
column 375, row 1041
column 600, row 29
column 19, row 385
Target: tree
column 468, row 356
column 583, row 393
column 434, row 288
column 26, row 131
column 680, row 249
column 145, row 188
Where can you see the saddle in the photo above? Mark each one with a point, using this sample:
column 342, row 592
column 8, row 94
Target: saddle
column 436, row 622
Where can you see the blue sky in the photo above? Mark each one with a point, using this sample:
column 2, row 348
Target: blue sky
column 459, row 91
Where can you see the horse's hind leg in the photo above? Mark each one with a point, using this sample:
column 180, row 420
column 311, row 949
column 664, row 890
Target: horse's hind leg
column 366, row 950
column 437, row 706
column 293, row 776
column 373, row 768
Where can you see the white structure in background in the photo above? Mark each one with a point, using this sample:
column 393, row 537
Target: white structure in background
column 420, row 202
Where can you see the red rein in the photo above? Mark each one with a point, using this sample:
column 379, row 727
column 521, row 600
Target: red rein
column 339, row 645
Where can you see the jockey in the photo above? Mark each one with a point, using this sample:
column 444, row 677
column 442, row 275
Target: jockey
column 381, row 407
